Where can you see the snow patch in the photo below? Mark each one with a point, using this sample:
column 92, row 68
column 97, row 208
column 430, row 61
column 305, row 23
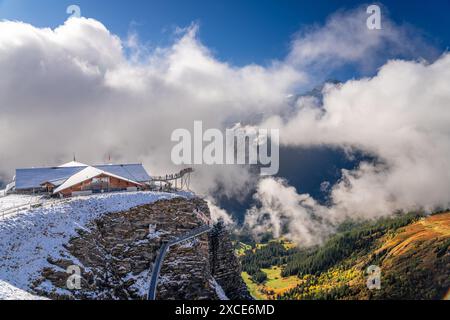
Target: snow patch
column 189, row 243
column 219, row 290
column 9, row 292
column 141, row 282
column 15, row 200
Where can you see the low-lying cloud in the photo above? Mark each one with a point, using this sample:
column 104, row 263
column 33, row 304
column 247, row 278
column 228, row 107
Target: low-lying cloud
column 401, row 116
column 284, row 212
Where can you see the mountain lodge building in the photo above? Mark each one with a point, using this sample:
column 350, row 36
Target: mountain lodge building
column 76, row 178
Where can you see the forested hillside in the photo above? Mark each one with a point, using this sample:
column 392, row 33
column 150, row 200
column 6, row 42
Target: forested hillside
column 411, row 250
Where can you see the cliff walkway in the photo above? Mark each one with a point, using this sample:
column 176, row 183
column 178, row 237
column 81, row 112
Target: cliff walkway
column 165, row 248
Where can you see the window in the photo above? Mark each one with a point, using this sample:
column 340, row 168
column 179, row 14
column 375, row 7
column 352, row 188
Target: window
column 100, row 180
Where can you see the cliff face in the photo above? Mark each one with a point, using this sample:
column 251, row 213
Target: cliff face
column 116, row 252
column 225, row 266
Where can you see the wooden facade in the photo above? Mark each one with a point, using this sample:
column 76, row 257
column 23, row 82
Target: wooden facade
column 99, row 184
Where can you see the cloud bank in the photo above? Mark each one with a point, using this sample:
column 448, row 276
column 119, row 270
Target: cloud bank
column 79, row 88
column 73, row 89
column 402, row 117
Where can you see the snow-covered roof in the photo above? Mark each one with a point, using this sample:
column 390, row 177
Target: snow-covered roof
column 55, row 182
column 33, row 178
column 135, row 172
column 72, row 164
column 10, row 186
column 86, row 174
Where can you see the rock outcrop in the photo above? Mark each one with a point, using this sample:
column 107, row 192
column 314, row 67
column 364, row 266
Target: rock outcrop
column 115, row 254
column 225, row 266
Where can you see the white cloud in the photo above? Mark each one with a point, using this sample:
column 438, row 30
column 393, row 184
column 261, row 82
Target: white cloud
column 402, row 117
column 219, row 214
column 345, row 38
column 282, row 211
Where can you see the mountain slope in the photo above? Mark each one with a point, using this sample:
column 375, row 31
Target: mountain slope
column 30, row 237
column 113, row 240
column 412, row 252
column 416, row 260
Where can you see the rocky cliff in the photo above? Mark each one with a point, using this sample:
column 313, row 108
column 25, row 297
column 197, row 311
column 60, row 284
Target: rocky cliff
column 115, row 254
column 225, row 266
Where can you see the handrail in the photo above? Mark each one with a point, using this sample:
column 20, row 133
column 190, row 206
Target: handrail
column 175, row 176
column 38, row 202
column 15, row 209
column 162, row 253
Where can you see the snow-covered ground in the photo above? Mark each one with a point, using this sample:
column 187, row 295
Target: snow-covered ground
column 8, row 292
column 16, row 200
column 28, row 237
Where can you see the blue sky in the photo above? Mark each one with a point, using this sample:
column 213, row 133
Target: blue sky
column 240, row 32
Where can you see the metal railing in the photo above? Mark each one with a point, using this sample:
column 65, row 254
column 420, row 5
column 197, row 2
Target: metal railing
column 15, row 209
column 175, row 176
column 156, row 270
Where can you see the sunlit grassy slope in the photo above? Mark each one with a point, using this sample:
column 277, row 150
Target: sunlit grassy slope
column 414, row 259
column 275, row 284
